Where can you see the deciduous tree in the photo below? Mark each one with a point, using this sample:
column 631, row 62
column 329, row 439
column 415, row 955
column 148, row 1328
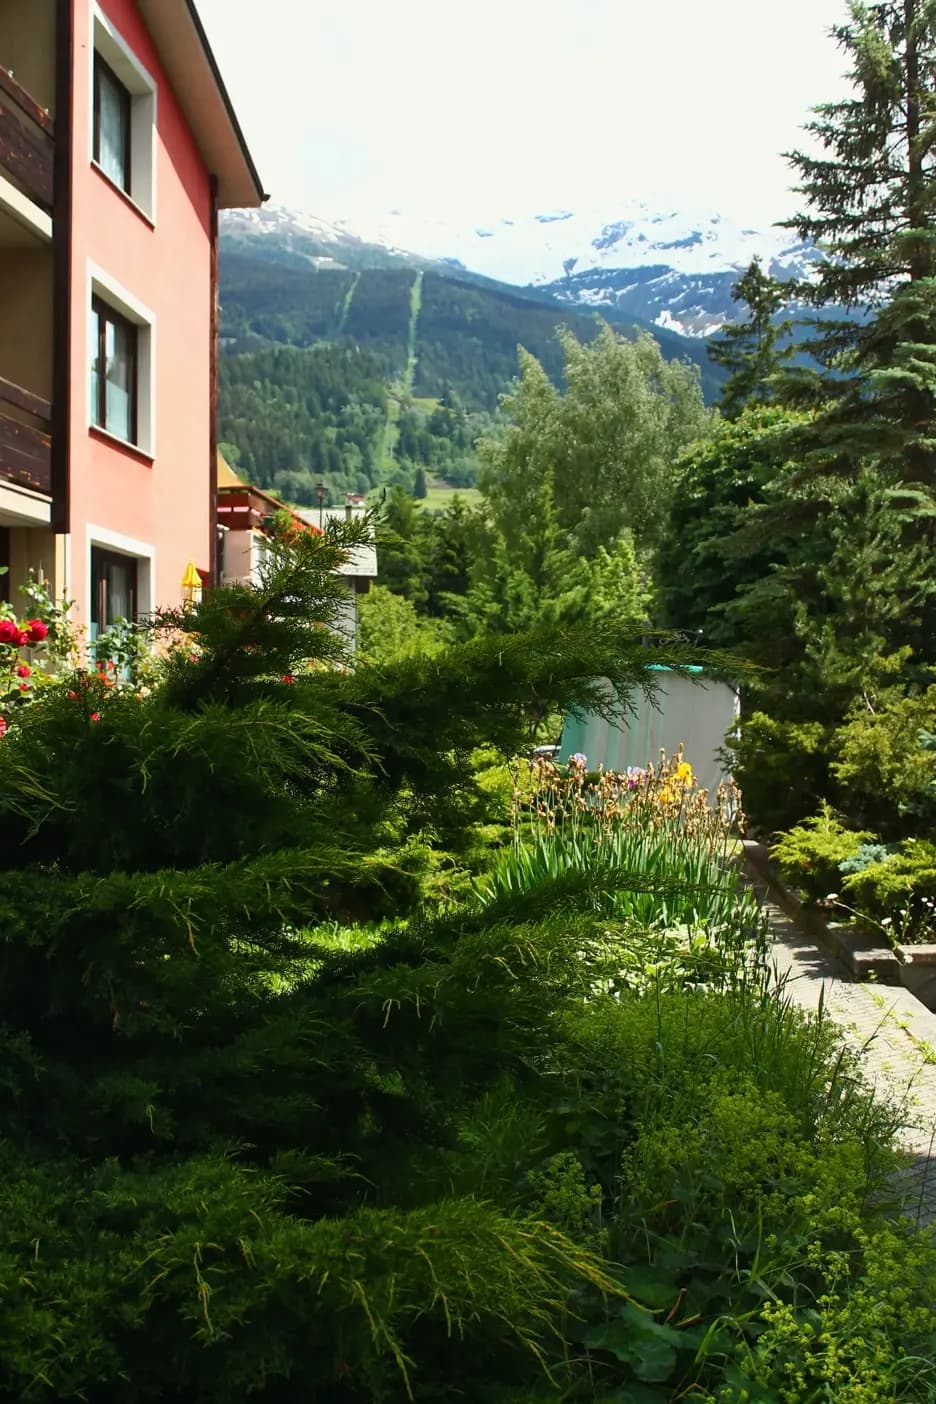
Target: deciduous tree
column 605, row 445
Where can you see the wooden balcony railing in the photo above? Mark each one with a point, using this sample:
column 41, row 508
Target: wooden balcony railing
column 27, row 142
column 25, row 446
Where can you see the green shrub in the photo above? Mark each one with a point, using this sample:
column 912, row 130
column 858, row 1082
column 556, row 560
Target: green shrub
column 256, row 1147
column 867, row 854
column 811, row 854
column 899, row 892
column 739, row 1211
column 884, row 765
column 782, row 768
column 866, row 1336
column 239, row 1157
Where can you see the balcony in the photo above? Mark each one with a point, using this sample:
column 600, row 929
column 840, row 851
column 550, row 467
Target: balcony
column 27, row 145
column 25, row 439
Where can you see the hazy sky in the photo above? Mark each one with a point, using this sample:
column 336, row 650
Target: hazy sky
column 467, row 111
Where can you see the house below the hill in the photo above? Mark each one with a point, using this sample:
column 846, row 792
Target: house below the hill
column 246, row 516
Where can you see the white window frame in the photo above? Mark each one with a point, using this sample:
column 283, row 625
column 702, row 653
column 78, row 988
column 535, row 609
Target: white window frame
column 141, row 551
column 101, row 285
column 107, row 41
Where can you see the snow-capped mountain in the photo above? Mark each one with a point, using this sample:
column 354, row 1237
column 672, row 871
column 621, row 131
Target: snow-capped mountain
column 659, row 264
column 323, row 243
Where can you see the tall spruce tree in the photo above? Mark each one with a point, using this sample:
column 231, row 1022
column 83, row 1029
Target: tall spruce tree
column 753, row 350
column 870, row 203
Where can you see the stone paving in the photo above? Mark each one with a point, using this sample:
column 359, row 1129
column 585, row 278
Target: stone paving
column 892, row 1031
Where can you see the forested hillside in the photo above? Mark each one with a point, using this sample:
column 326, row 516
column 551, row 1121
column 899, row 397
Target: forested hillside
column 289, row 417
column 337, row 374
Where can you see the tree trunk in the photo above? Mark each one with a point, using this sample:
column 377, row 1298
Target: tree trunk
column 920, row 260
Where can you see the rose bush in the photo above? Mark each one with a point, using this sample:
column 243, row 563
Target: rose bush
column 19, row 678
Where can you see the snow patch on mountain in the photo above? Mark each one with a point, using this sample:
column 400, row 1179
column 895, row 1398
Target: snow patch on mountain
column 276, row 225
column 665, row 265
column 537, row 248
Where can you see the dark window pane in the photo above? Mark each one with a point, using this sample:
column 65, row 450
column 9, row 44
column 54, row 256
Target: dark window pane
column 113, row 372
column 112, row 110
column 94, row 343
column 120, row 357
column 113, row 589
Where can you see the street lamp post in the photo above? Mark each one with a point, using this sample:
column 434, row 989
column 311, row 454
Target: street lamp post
column 321, row 492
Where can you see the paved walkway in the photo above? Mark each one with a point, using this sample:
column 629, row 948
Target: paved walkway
column 895, row 1035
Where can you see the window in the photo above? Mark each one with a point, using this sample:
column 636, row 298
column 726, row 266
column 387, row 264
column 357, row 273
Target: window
column 123, row 115
column 121, row 334
column 120, row 580
column 113, row 589
column 114, row 372
column 112, row 125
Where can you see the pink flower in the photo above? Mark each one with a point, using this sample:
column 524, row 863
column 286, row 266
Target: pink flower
column 95, row 716
column 37, row 631
column 3, row 727
column 23, row 671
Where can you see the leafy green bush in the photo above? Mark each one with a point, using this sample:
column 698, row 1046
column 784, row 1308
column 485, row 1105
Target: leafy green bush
column 392, row 631
column 883, row 762
column 247, row 1154
column 234, row 1157
column 811, row 854
column 738, row 1210
column 782, row 768
column 899, row 891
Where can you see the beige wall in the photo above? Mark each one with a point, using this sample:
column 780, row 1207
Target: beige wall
column 31, row 549
column 26, row 323
column 27, row 46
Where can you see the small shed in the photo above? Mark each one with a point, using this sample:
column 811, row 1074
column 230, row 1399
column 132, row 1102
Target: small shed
column 693, row 711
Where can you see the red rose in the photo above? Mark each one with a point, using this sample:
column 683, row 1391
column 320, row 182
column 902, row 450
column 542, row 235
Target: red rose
column 23, row 671
column 24, row 687
column 73, row 697
column 37, row 630
column 9, row 632
column 3, row 726
column 95, row 716
column 288, row 678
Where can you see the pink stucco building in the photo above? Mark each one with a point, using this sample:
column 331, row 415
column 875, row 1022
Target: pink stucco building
column 118, row 147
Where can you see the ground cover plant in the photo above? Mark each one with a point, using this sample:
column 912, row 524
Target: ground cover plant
column 255, row 1146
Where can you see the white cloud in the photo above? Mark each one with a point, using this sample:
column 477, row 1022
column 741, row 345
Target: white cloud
column 468, row 111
